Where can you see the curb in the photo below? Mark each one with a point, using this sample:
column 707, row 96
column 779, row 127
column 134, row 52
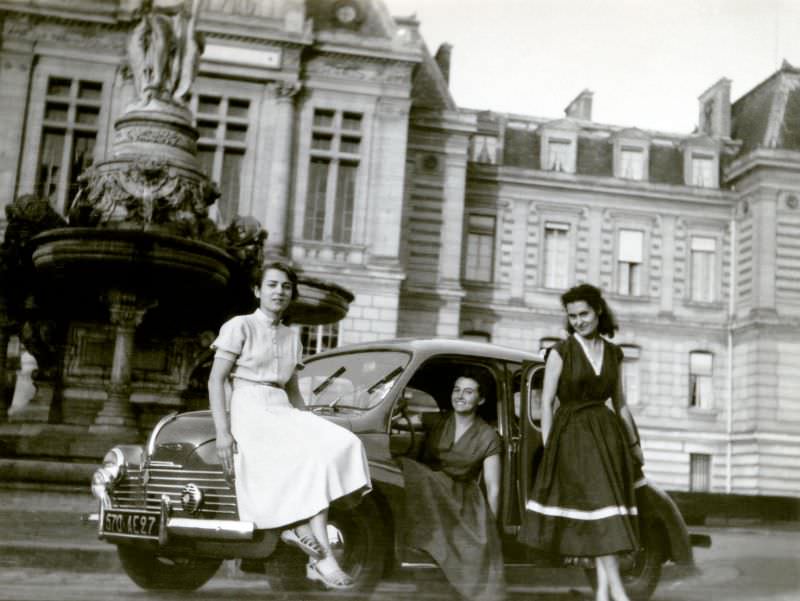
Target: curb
column 58, row 556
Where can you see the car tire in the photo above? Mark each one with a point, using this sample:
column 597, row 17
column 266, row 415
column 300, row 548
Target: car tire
column 358, row 538
column 642, row 577
column 153, row 572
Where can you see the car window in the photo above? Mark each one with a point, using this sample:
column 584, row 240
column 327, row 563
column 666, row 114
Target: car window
column 358, row 380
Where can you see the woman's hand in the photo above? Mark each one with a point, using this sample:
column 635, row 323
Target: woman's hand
column 226, row 447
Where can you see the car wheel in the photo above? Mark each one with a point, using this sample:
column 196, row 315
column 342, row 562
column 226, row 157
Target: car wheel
column 358, row 540
column 153, row 572
column 642, row 575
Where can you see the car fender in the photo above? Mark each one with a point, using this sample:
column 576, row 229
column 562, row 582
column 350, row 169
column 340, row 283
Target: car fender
column 657, row 507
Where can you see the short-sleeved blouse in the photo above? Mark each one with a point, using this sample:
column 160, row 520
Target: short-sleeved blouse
column 261, row 351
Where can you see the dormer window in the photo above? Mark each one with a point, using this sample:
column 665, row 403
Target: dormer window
column 631, row 154
column 701, row 162
column 703, row 170
column 632, row 163
column 559, row 146
column 484, row 149
column 559, row 155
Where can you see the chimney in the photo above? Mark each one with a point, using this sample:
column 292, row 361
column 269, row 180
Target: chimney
column 581, row 107
column 442, row 59
column 715, row 110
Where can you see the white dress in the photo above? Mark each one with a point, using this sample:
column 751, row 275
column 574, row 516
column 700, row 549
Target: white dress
column 290, row 464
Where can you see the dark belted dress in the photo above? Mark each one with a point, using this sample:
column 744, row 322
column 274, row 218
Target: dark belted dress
column 447, row 514
column 583, row 502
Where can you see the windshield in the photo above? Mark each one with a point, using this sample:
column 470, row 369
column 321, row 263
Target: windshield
column 359, row 380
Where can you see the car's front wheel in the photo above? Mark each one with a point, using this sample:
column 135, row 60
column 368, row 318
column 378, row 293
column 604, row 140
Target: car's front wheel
column 643, row 572
column 153, row 572
column 358, row 539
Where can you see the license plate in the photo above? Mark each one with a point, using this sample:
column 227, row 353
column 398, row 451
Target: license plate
column 131, row 523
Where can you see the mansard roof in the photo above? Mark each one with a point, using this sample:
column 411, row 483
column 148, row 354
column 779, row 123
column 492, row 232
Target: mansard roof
column 768, row 116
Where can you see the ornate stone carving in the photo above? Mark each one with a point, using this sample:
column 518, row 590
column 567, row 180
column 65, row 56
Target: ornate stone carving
column 144, row 193
column 244, row 240
column 284, row 90
column 164, row 50
column 154, row 136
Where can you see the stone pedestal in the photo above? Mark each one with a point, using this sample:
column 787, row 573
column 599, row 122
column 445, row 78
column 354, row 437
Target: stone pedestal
column 117, row 415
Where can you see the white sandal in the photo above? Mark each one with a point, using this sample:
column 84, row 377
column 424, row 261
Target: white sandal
column 336, row 578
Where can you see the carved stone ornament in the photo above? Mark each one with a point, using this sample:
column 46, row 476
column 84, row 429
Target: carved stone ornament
column 147, row 192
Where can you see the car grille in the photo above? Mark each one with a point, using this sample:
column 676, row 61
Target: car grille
column 219, row 500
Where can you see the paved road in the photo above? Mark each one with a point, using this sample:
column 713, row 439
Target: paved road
column 744, row 564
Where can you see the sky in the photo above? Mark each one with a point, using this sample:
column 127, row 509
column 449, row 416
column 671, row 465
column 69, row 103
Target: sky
column 646, row 61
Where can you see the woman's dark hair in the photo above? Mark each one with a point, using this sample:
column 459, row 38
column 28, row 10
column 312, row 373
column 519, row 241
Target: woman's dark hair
column 593, row 297
column 280, row 266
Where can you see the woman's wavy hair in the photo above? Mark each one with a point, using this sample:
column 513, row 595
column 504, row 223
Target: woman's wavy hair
column 593, row 297
column 280, row 266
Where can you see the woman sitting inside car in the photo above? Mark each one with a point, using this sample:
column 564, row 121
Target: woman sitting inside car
column 447, row 513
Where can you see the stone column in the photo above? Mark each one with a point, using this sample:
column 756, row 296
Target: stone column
column 117, row 416
column 667, row 301
column 279, row 182
column 15, row 71
column 595, row 244
column 765, row 235
column 519, row 239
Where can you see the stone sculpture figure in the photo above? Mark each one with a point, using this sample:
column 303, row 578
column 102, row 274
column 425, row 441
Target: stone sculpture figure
column 163, row 52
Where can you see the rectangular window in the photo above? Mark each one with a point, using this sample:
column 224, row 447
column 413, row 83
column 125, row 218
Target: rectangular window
column 703, row 263
column 222, row 124
column 629, row 262
column 559, row 154
column 701, row 391
column 480, row 248
column 71, row 117
column 699, row 472
column 484, row 149
column 332, row 176
column 703, row 171
column 318, row 338
column 632, row 163
column 556, row 255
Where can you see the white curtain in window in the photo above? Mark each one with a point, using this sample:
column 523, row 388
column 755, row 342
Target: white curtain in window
column 556, row 255
column 702, row 171
column 702, row 390
column 560, row 152
column 631, row 243
column 632, row 166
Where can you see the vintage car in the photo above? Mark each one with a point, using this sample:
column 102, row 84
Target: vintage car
column 172, row 512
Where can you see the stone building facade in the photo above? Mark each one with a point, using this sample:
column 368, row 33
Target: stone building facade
column 332, row 124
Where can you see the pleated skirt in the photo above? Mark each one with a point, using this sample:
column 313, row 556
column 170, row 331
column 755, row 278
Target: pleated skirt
column 583, row 502
column 290, row 464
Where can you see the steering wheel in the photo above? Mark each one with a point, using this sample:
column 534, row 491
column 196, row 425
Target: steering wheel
column 402, row 414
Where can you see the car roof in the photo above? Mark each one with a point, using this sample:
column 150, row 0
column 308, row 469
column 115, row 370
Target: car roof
column 438, row 346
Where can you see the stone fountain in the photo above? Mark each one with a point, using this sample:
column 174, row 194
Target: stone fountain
column 137, row 246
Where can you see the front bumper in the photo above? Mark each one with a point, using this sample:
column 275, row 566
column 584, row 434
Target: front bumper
column 169, row 527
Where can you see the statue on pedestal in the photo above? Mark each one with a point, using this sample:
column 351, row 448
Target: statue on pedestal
column 163, row 53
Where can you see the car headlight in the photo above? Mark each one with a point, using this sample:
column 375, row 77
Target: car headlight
column 100, row 481
column 114, row 464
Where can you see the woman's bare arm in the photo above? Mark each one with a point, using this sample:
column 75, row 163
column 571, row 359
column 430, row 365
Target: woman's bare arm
column 552, row 372
column 491, row 478
column 220, row 370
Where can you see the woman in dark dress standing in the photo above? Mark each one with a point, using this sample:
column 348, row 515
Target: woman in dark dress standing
column 583, row 502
